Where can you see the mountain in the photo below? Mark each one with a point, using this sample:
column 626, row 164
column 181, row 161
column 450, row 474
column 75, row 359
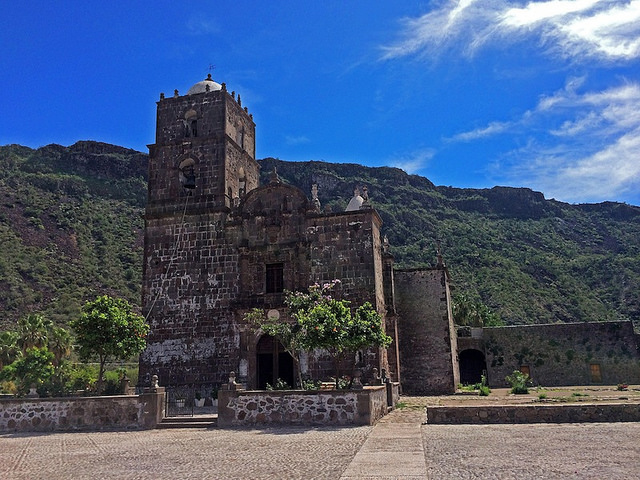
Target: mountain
column 71, row 226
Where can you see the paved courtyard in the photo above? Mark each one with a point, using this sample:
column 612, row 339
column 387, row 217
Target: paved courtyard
column 398, row 447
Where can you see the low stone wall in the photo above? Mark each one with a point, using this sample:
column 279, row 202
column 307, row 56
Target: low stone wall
column 581, row 413
column 298, row 407
column 123, row 412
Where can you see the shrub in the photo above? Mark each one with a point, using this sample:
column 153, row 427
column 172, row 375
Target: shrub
column 519, row 382
column 483, row 388
column 311, row 384
column 279, row 385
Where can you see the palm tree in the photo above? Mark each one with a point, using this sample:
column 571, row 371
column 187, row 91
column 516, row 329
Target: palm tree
column 9, row 350
column 60, row 344
column 33, row 331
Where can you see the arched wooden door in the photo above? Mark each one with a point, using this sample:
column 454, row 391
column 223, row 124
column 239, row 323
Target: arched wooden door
column 273, row 362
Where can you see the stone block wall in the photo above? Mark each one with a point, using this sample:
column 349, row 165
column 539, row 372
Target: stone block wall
column 564, row 354
column 339, row 407
column 127, row 412
column 505, row 414
column 427, row 339
column 190, row 280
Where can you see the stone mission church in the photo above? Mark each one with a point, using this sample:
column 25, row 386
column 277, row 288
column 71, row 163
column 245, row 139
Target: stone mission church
column 217, row 244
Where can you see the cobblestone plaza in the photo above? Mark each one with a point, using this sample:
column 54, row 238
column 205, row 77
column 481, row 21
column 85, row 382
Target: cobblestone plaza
column 399, row 446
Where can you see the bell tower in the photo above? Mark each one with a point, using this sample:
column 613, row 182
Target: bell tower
column 204, row 148
column 202, row 162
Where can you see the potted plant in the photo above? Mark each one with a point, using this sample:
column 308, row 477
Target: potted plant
column 214, row 397
column 198, row 400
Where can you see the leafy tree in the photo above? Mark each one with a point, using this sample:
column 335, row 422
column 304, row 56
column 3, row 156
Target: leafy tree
column 109, row 329
column 328, row 323
column 33, row 330
column 319, row 321
column 34, row 368
column 9, row 349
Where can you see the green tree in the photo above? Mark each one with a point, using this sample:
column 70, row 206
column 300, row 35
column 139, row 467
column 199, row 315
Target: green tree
column 109, row 329
column 9, row 349
column 33, row 331
column 34, row 368
column 328, row 323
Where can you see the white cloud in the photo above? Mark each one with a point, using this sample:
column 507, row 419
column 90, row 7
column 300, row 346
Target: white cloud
column 594, row 152
column 292, row 140
column 414, row 161
column 493, row 128
column 198, row 25
column 579, row 29
column 442, row 28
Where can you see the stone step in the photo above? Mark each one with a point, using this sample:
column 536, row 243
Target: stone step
column 189, row 422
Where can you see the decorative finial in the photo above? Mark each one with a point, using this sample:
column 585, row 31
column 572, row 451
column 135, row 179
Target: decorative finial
column 365, row 198
column 239, row 101
column 161, row 95
column 209, row 77
column 175, row 92
column 385, row 244
column 273, row 178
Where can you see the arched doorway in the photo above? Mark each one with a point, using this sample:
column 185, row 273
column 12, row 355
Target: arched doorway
column 273, row 362
column 472, row 366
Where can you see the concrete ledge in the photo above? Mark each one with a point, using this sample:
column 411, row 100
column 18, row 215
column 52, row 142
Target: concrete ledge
column 299, row 407
column 118, row 412
column 579, row 413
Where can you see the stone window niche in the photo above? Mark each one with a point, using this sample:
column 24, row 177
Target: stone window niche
column 191, row 124
column 187, row 174
column 274, row 278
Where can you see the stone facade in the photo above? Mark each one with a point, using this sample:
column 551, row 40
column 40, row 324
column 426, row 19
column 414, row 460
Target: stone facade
column 217, row 244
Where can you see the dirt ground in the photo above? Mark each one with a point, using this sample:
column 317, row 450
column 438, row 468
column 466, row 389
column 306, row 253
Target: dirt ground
column 536, row 395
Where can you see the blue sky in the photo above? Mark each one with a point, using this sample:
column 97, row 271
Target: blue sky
column 539, row 94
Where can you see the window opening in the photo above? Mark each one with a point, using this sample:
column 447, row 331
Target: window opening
column 274, row 278
column 187, row 174
column 596, row 374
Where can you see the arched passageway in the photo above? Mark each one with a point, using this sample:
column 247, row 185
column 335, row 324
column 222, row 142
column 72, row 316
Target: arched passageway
column 472, row 366
column 273, row 362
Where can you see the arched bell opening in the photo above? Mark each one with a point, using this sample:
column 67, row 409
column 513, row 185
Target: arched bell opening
column 187, row 174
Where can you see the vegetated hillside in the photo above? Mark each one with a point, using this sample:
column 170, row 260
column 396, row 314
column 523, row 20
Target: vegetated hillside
column 71, row 227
